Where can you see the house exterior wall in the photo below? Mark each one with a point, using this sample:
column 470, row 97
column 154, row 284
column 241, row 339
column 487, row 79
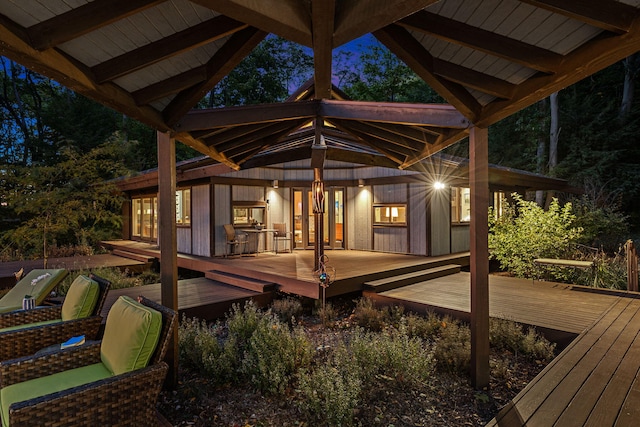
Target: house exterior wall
column 221, row 215
column 201, row 220
column 460, row 238
column 359, row 211
column 417, row 219
column 390, row 238
column 440, row 222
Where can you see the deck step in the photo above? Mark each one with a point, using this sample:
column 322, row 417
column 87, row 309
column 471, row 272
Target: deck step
column 400, row 280
column 133, row 256
column 240, row 281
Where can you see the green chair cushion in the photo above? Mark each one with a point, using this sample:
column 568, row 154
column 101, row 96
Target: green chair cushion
column 50, row 384
column 44, row 281
column 81, row 298
column 30, row 325
column 130, row 336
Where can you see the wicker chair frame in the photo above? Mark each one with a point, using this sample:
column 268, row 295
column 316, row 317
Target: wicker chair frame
column 123, row 400
column 27, row 341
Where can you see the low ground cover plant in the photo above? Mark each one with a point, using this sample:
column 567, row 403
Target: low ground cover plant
column 328, row 375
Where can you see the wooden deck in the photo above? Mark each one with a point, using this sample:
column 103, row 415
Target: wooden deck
column 593, row 382
column 546, row 305
column 202, row 298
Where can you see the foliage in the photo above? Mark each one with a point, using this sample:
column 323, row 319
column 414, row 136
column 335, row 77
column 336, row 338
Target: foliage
column 65, row 204
column 603, row 225
column 368, row 316
column 508, row 335
column 525, row 232
column 287, row 309
column 119, row 279
column 267, row 74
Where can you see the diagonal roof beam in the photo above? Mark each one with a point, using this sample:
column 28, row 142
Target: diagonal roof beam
column 394, row 152
column 224, row 60
column 198, row 35
column 84, row 19
column 411, row 52
column 609, row 15
column 250, row 150
column 448, row 138
column 485, row 41
column 357, row 18
column 220, row 136
column 384, row 135
column 200, row 146
column 60, row 67
column 473, row 79
column 322, row 18
column 588, row 59
column 247, row 114
column 170, row 86
column 287, row 18
column 416, row 133
column 257, row 135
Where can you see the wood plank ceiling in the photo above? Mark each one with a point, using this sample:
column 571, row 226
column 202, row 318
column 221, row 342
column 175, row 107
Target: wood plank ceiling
column 154, row 60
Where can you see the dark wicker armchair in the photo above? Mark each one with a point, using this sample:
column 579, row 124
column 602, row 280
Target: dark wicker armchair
column 125, row 399
column 27, row 341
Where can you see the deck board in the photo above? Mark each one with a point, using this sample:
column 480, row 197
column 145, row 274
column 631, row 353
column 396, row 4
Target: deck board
column 593, row 382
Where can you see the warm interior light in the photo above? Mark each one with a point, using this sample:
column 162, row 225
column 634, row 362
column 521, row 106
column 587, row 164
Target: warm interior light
column 387, row 213
column 394, row 212
column 438, row 185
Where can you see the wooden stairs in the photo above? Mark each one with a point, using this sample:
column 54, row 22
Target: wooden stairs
column 398, row 281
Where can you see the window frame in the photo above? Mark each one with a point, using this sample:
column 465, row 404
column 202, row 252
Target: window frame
column 389, row 207
column 249, row 205
column 181, row 208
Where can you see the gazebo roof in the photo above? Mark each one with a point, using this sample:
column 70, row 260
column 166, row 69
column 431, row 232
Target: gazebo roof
column 154, row 60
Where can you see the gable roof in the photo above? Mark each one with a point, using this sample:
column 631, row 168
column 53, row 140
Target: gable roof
column 154, row 60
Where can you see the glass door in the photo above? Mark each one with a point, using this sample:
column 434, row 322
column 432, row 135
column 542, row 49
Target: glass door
column 304, row 219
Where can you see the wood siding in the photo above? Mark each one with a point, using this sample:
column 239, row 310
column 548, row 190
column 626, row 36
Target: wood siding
column 460, row 240
column 222, row 215
column 440, row 222
column 359, row 219
column 183, row 235
column 201, row 220
column 417, row 212
column 390, row 239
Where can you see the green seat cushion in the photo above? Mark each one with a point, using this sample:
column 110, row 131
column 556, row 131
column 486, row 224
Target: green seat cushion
column 30, row 325
column 50, row 384
column 130, row 336
column 37, row 283
column 81, row 298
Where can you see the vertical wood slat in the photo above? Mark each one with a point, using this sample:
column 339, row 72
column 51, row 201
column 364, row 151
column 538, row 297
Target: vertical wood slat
column 632, row 266
column 479, row 184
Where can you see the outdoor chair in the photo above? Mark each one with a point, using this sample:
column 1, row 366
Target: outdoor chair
column 235, row 240
column 24, row 332
column 115, row 381
column 281, row 235
column 37, row 283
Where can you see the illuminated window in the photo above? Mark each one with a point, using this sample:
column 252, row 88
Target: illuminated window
column 460, row 205
column 499, row 203
column 183, row 207
column 248, row 214
column 390, row 214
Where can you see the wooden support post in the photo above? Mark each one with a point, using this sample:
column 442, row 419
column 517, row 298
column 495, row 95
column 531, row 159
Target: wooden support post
column 318, row 217
column 479, row 184
column 168, row 242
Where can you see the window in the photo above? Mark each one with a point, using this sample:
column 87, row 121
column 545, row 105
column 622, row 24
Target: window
column 183, row 207
column 499, row 203
column 390, row 214
column 460, row 205
column 248, row 214
column 144, row 223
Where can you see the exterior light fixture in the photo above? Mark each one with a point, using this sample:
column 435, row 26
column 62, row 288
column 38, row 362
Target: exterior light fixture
column 361, row 183
column 438, row 185
column 317, row 189
column 275, row 183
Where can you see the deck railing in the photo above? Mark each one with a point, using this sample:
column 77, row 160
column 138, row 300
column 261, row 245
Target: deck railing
column 632, row 266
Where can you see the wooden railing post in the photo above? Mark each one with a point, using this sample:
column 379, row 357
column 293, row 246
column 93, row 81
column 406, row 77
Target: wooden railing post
column 632, row 266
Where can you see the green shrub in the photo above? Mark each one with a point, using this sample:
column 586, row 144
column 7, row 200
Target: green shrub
column 604, row 226
column 274, row 354
column 287, row 309
column 368, row 316
column 452, row 350
column 427, row 328
column 509, row 335
column 119, row 279
column 525, row 231
column 327, row 314
column 329, row 395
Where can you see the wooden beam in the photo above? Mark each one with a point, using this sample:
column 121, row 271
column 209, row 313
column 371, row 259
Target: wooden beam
column 421, row 134
column 485, row 41
column 399, row 113
column 586, row 60
column 75, row 76
column 360, row 158
column 609, row 15
column 479, row 268
column 322, row 18
column 267, row 142
column 318, row 148
column 248, row 114
column 168, row 241
column 221, row 64
column 203, row 148
column 473, row 79
column 357, row 18
column 446, row 140
column 266, row 133
column 300, row 153
column 220, row 136
column 170, row 86
column 411, row 52
column 384, row 135
column 84, row 19
column 372, row 142
column 287, row 18
column 198, row 35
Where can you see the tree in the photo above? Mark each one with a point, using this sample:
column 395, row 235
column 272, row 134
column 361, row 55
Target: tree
column 64, row 204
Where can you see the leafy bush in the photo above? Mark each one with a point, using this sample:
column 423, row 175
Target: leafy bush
column 368, row 316
column 509, row 335
column 119, row 279
column 200, row 349
column 603, row 227
column 452, row 350
column 287, row 309
column 525, row 232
